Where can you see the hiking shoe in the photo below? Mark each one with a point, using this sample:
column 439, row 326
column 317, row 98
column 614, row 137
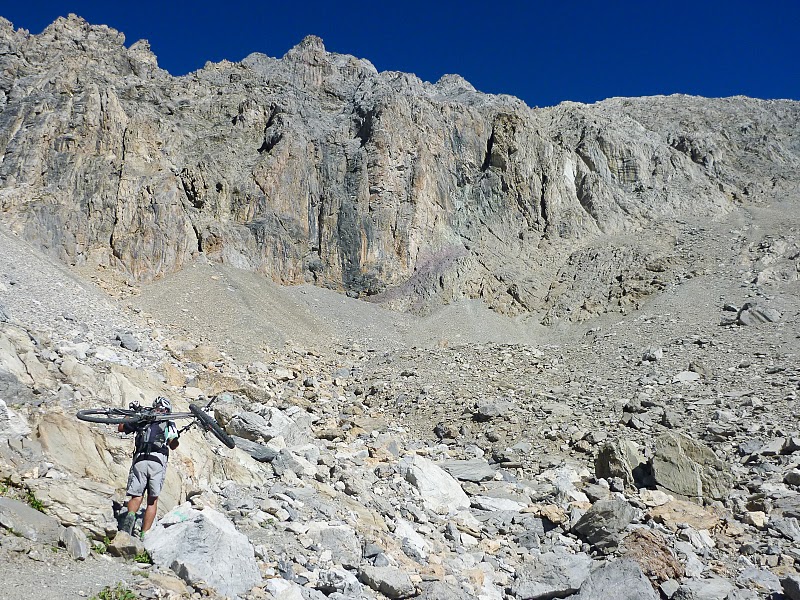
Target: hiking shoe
column 128, row 522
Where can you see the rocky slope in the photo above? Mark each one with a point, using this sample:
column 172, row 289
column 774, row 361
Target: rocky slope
column 376, row 460
column 317, row 168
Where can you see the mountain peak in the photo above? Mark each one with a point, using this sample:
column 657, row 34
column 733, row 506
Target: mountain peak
column 310, row 49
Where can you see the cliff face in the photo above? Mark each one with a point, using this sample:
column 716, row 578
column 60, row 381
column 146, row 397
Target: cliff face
column 317, row 168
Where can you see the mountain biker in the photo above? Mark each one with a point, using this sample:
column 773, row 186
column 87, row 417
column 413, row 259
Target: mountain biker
column 149, row 467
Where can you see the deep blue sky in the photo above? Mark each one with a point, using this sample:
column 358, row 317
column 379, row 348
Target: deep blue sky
column 542, row 52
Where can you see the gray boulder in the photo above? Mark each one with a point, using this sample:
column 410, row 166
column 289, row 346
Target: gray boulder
column 763, row 580
column 486, row 411
column 129, row 342
column 76, row 543
column 440, row 492
column 340, row 540
column 684, row 466
column 791, row 587
column 274, row 423
column 621, row 459
column 602, row 524
column 786, row 526
column 11, row 424
column 204, row 546
column 552, row 575
column 247, row 425
column 339, row 580
column 652, row 354
column 23, row 520
column 389, row 581
column 715, row 588
column 283, row 589
column 753, row 314
column 286, row 460
column 618, row 580
column 475, row 470
column 125, row 545
column 439, row 590
column 259, row 452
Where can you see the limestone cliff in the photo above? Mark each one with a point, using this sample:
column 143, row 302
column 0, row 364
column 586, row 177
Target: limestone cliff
column 317, row 168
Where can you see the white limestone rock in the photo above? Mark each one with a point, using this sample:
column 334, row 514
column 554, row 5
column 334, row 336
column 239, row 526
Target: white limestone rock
column 204, row 546
column 440, row 492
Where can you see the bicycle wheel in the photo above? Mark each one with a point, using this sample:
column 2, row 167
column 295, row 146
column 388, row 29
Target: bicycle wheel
column 111, row 416
column 209, row 424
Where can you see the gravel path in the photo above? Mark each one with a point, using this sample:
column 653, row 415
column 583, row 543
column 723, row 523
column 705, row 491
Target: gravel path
column 58, row 577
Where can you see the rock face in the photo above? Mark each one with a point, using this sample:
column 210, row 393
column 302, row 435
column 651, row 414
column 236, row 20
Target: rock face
column 317, row 168
column 203, row 546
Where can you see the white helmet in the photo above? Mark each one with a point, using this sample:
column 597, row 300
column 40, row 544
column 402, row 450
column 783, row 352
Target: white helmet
column 162, row 402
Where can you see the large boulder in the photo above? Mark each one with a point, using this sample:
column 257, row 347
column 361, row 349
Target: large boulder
column 11, row 424
column 76, row 543
column 339, row 580
column 341, row 540
column 92, row 451
column 713, row 588
column 753, row 314
column 686, row 467
column 552, row 575
column 440, row 590
column 618, row 580
column 80, row 502
column 10, row 363
column 257, row 428
column 204, row 546
column 791, row 587
column 475, row 470
column 29, row 523
column 603, row 524
column 440, row 492
column 621, row 458
column 389, row 581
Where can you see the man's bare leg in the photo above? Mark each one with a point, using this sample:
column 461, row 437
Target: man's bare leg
column 149, row 513
column 134, row 503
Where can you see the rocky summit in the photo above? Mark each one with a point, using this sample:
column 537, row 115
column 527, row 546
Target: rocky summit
column 466, row 349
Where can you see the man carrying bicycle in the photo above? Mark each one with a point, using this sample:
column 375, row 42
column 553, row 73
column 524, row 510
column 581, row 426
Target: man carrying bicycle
column 151, row 451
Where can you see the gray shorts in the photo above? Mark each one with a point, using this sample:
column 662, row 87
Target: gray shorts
column 146, row 474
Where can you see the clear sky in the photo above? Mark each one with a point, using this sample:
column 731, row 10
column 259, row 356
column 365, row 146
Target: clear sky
column 542, row 52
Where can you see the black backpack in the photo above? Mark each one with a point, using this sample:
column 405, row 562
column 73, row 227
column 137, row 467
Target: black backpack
column 151, row 439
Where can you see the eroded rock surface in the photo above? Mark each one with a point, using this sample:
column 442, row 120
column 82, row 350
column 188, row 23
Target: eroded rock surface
column 317, row 168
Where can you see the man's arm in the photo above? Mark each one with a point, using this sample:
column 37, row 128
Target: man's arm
column 172, row 435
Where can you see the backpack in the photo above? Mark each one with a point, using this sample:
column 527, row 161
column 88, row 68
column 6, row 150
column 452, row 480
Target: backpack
column 152, row 439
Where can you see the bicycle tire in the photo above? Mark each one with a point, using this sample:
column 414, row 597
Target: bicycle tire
column 209, row 424
column 109, row 416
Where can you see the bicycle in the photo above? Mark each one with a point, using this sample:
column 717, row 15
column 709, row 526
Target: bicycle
column 136, row 415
